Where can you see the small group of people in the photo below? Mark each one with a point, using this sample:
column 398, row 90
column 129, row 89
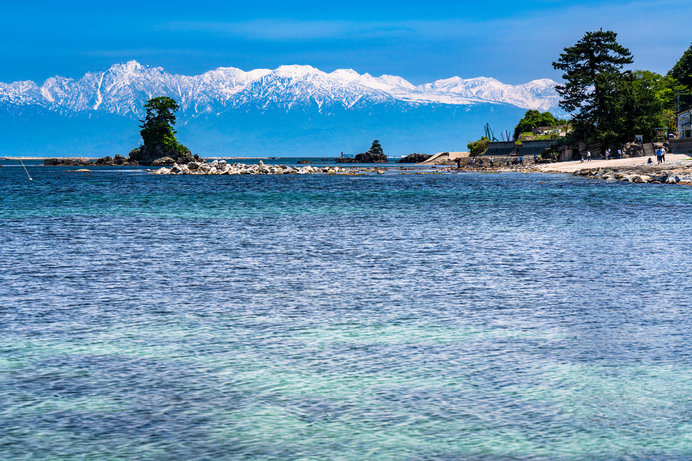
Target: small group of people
column 661, row 155
column 588, row 156
column 479, row 162
column 608, row 155
column 473, row 162
column 519, row 161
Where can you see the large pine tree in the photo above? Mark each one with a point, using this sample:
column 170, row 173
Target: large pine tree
column 158, row 133
column 593, row 82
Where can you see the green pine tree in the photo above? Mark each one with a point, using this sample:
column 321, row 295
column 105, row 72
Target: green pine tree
column 376, row 148
column 593, row 85
column 157, row 132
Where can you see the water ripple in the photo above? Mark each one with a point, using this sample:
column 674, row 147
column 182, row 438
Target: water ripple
column 387, row 317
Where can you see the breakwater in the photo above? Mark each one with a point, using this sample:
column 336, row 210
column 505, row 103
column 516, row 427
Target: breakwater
column 221, row 167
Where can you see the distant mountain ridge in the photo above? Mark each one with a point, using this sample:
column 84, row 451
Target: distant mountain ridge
column 123, row 89
column 290, row 110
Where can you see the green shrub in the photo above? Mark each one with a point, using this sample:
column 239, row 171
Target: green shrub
column 478, row 147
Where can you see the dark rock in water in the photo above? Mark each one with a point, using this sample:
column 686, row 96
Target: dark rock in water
column 74, row 161
column 304, row 162
column 144, row 156
column 366, row 157
column 374, row 155
column 83, row 161
column 345, row 160
column 163, row 161
column 414, row 158
column 108, row 160
column 114, row 161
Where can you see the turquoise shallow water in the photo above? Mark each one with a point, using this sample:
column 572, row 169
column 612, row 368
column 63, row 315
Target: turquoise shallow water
column 503, row 316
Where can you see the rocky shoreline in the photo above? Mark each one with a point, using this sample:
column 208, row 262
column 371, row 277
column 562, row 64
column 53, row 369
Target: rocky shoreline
column 674, row 174
column 221, row 167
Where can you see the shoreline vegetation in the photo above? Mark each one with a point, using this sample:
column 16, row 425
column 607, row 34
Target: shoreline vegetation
column 613, row 107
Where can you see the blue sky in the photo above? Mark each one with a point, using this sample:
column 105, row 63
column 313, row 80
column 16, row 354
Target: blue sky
column 421, row 41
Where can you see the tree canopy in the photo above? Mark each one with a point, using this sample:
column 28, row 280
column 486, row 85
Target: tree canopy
column 376, row 148
column 682, row 75
column 592, row 73
column 647, row 99
column 478, row 147
column 534, row 119
column 157, row 131
column 157, row 126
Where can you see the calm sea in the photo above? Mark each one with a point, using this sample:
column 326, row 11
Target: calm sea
column 395, row 316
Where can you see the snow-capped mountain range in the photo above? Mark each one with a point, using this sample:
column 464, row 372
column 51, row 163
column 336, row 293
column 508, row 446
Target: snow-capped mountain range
column 291, row 110
column 123, row 89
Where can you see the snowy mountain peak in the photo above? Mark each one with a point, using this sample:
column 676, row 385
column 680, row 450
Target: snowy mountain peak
column 129, row 67
column 296, row 71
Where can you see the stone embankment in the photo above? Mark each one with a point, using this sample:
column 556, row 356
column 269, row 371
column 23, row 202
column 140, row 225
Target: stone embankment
column 446, row 158
column 223, row 168
column 673, row 175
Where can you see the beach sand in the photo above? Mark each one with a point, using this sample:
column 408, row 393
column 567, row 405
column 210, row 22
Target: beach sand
column 571, row 167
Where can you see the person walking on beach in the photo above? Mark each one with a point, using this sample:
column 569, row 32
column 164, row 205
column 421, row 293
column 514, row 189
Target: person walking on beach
column 619, row 153
column 663, row 155
column 588, row 155
column 473, row 162
column 658, row 156
column 581, row 157
column 492, row 162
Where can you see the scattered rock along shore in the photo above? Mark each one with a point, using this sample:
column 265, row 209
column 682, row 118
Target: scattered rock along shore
column 223, row 168
column 641, row 174
column 677, row 172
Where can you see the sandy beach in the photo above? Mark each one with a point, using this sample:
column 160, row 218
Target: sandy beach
column 571, row 167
